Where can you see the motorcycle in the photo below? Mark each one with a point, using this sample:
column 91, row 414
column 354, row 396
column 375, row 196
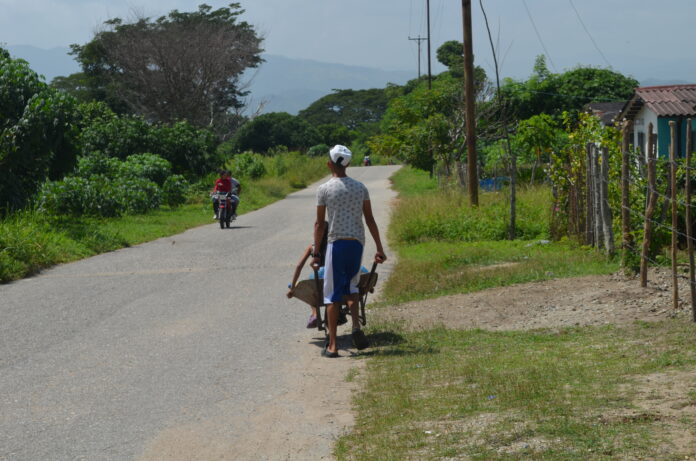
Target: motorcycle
column 224, row 210
column 367, row 161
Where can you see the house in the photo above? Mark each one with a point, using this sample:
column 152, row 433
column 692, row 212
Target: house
column 606, row 112
column 659, row 105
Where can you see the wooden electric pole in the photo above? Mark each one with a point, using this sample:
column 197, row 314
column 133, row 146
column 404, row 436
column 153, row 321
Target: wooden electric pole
column 430, row 74
column 418, row 39
column 470, row 103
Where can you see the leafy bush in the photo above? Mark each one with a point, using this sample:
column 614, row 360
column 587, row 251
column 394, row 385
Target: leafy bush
column 188, row 149
column 98, row 163
column 248, row 165
column 116, row 136
column 174, row 190
column 99, row 195
column 318, row 150
column 80, row 196
column 138, row 195
column 146, row 166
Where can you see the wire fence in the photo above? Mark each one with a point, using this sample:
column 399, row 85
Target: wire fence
column 591, row 215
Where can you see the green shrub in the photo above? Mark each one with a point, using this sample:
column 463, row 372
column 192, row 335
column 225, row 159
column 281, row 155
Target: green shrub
column 175, row 190
column 98, row 163
column 138, row 195
column 99, row 196
column 248, row 165
column 146, row 166
column 318, row 150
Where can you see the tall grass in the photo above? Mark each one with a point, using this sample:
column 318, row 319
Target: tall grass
column 427, row 213
column 446, row 246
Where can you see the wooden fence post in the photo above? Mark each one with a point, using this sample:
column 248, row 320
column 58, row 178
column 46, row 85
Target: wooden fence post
column 650, row 209
column 589, row 198
column 673, row 196
column 607, row 219
column 625, row 198
column 689, row 230
column 597, row 198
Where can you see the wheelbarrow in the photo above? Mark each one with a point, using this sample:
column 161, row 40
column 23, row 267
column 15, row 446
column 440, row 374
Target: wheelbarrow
column 312, row 292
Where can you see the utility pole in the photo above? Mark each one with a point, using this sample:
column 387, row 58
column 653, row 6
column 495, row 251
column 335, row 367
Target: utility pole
column 418, row 39
column 430, row 74
column 470, row 102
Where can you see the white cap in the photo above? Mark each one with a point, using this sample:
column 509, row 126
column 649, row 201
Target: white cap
column 340, row 155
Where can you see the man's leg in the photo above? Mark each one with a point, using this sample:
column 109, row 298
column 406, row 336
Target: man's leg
column 332, row 320
column 352, row 302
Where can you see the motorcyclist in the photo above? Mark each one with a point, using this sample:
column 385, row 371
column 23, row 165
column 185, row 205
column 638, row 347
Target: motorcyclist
column 227, row 185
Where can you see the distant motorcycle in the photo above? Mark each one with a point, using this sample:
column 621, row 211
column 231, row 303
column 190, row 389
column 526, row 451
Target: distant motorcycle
column 224, row 210
column 367, row 161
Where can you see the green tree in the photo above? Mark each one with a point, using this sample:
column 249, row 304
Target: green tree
column 553, row 94
column 538, row 137
column 183, row 66
column 425, row 125
column 349, row 108
column 37, row 132
column 275, row 129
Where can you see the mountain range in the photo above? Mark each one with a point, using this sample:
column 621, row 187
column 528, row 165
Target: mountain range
column 280, row 84
column 283, row 84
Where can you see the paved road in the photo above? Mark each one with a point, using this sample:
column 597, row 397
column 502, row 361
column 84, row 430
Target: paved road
column 100, row 356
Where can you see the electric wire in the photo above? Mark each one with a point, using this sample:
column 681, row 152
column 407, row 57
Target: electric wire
column 531, row 19
column 582, row 23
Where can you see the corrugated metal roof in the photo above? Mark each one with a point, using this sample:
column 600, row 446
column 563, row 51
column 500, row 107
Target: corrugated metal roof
column 669, row 100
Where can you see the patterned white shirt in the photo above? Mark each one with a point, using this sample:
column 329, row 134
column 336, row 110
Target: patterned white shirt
column 343, row 199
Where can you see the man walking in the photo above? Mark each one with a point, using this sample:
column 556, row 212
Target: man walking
column 342, row 202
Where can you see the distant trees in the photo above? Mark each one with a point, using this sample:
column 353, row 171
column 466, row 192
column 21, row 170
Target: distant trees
column 275, row 129
column 183, row 66
column 349, row 108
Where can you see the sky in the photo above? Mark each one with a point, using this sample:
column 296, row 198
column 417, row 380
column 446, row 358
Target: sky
column 642, row 38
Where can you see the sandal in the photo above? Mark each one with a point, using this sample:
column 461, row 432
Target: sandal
column 312, row 322
column 332, row 355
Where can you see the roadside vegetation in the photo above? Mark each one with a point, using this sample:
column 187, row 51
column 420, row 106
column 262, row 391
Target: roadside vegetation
column 552, row 394
column 32, row 239
column 445, row 246
column 546, row 395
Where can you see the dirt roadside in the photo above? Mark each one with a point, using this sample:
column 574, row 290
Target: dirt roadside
column 592, row 300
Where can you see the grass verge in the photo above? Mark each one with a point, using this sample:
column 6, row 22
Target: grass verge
column 430, row 269
column 573, row 394
column 551, row 395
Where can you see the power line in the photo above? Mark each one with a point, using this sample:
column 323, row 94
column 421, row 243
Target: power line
column 531, row 19
column 582, row 23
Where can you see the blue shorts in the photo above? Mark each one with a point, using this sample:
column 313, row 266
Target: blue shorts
column 320, row 271
column 342, row 272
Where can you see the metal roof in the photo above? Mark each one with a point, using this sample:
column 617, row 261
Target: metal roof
column 605, row 111
column 665, row 101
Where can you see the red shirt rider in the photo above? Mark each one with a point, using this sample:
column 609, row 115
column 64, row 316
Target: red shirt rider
column 223, row 184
